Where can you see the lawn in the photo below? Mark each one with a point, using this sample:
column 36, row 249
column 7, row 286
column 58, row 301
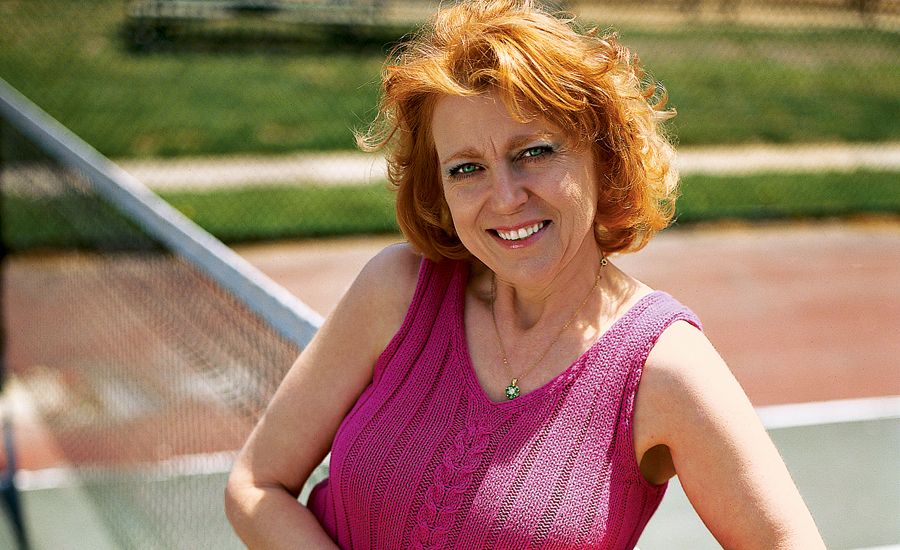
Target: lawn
column 272, row 213
column 206, row 96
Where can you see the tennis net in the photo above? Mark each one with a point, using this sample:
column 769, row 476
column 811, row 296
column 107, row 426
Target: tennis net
column 146, row 349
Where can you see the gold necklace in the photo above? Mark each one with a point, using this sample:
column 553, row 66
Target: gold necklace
column 512, row 390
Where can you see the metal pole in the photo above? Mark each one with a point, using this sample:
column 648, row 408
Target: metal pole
column 9, row 494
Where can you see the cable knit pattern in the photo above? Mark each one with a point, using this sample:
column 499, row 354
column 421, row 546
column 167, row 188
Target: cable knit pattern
column 452, row 479
column 426, row 460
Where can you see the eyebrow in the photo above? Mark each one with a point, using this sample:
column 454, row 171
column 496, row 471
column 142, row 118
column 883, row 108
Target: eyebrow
column 464, row 154
column 514, row 143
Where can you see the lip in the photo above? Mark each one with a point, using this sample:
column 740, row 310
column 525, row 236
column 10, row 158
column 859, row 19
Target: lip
column 521, row 243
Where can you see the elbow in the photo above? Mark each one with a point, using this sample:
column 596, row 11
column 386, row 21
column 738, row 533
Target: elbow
column 238, row 501
column 231, row 502
column 234, row 497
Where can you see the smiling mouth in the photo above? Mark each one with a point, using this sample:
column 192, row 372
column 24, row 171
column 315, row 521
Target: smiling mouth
column 521, row 233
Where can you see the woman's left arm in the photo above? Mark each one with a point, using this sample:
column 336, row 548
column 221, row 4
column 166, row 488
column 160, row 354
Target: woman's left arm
column 690, row 404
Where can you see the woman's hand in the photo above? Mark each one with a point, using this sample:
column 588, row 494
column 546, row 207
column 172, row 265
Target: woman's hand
column 295, row 433
column 690, row 404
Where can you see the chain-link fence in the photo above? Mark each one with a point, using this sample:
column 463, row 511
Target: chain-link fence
column 242, row 111
column 241, row 114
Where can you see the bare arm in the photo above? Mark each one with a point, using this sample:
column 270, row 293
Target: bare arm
column 296, row 431
column 690, row 403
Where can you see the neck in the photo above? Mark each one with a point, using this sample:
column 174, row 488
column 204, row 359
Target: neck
column 528, row 306
column 513, row 390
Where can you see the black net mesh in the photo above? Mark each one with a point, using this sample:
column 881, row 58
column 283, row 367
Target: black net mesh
column 144, row 372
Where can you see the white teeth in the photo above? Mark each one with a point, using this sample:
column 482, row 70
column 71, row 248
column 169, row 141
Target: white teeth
column 521, row 233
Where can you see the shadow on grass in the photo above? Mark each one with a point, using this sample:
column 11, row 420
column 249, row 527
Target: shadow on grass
column 239, row 37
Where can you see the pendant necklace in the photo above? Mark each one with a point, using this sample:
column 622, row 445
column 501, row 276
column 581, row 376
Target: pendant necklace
column 512, row 390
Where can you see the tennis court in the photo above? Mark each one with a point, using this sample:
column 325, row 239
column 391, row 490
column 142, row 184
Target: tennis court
column 842, row 455
column 146, row 357
column 842, row 452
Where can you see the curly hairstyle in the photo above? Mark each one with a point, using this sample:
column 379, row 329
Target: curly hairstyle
column 589, row 85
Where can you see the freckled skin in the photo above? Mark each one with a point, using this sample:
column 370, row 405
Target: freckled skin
column 501, row 174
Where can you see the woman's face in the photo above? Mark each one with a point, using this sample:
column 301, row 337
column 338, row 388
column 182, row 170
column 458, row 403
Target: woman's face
column 522, row 197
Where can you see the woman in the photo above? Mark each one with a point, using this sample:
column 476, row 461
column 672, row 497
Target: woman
column 478, row 386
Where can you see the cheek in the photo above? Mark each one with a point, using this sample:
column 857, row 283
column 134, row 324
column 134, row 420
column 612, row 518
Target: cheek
column 580, row 194
column 589, row 192
column 462, row 202
column 460, row 218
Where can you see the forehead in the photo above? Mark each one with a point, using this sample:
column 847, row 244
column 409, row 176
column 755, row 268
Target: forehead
column 481, row 120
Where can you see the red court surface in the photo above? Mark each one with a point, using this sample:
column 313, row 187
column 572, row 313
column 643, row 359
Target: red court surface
column 801, row 312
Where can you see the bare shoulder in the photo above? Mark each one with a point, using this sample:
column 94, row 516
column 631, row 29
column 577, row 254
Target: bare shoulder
column 390, row 276
column 384, row 288
column 684, row 371
column 683, row 350
column 368, row 316
column 690, row 404
column 396, row 265
column 680, row 353
column 685, row 388
column 341, row 358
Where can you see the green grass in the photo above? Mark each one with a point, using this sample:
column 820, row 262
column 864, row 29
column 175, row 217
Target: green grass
column 67, row 221
column 308, row 91
column 740, row 85
column 276, row 213
column 787, row 196
column 271, row 213
column 69, row 58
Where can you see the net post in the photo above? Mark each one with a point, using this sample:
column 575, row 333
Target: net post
column 9, row 493
column 4, row 159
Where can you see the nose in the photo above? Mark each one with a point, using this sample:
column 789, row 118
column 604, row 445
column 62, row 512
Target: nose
column 508, row 191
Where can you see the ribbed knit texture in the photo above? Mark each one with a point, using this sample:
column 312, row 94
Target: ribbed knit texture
column 426, row 460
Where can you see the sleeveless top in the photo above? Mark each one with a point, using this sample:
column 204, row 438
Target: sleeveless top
column 425, row 459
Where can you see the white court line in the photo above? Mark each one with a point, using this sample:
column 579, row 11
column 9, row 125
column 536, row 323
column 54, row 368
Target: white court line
column 829, row 412
column 773, row 417
column 349, row 167
column 66, row 476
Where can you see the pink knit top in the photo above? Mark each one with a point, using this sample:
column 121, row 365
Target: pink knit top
column 426, row 460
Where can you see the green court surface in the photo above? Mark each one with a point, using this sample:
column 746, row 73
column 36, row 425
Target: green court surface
column 844, row 462
column 847, row 473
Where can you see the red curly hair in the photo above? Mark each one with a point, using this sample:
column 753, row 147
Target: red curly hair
column 592, row 86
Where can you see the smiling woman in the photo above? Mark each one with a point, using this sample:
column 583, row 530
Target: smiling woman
column 588, row 85
column 497, row 382
column 510, row 186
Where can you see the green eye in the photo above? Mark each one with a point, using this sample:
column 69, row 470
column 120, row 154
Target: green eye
column 463, row 169
column 533, row 152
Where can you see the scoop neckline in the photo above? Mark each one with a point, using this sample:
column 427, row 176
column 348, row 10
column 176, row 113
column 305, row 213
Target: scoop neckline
column 464, row 353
